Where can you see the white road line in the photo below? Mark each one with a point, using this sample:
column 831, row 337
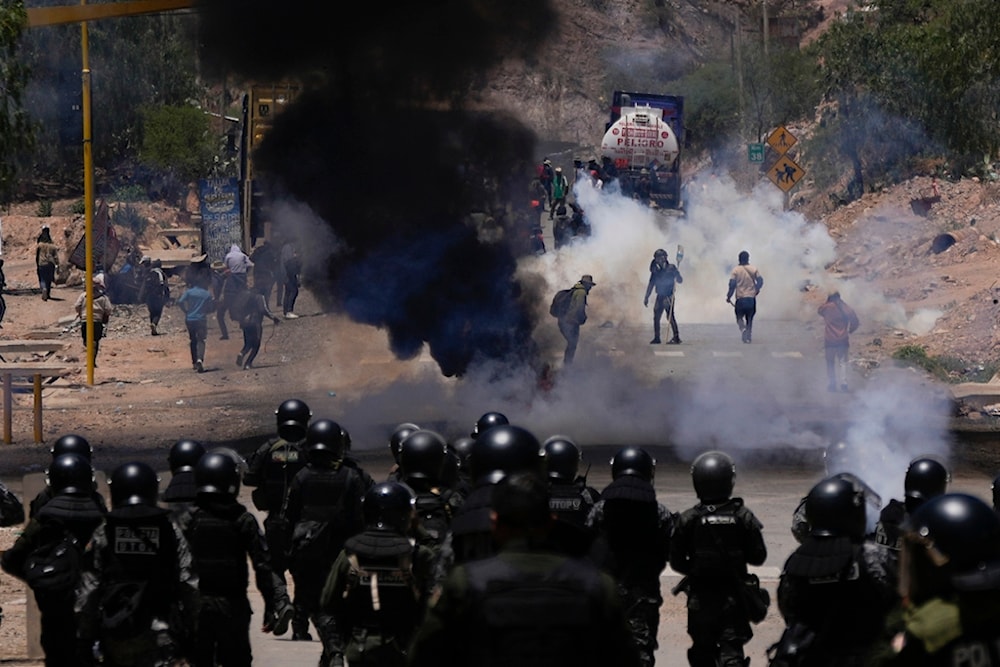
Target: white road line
column 786, row 355
column 717, row 354
column 668, row 353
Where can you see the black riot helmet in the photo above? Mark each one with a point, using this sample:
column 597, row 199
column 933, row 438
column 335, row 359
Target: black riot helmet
column 562, row 458
column 71, row 443
column 345, row 435
column 660, row 252
column 835, row 507
column 217, row 472
column 488, row 421
column 422, row 455
column 503, row 450
column 462, row 447
column 134, row 484
column 184, row 455
column 925, row 479
column 324, row 442
column 389, row 506
column 70, row 474
column 951, row 542
column 634, row 461
column 398, row 436
column 714, row 476
column 293, row 418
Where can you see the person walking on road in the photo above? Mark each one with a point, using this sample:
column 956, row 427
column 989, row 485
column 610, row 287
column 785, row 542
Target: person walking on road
column 196, row 302
column 560, row 188
column 663, row 276
column 102, row 313
column 291, row 264
column 252, row 324
column 46, row 261
column 155, row 292
column 575, row 315
column 745, row 282
column 841, row 321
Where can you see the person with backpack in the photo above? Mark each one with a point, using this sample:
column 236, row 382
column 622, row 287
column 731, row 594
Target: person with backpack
column 155, row 292
column 138, row 596
column 571, row 312
column 324, row 509
column 252, row 311
column 422, row 456
column 48, row 555
column 223, row 536
column 379, row 585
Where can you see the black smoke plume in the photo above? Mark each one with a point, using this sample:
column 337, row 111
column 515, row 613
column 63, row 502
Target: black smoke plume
column 383, row 147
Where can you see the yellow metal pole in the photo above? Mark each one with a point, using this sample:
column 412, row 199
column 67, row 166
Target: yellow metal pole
column 88, row 200
column 37, row 394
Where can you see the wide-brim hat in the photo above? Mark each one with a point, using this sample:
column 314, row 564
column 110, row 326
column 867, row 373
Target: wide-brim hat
column 587, row 279
column 198, row 259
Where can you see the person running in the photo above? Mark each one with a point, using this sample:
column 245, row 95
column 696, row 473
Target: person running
column 252, row 324
column 196, row 302
column 745, row 282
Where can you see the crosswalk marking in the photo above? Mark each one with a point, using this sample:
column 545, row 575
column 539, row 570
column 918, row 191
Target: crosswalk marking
column 668, row 353
column 786, row 355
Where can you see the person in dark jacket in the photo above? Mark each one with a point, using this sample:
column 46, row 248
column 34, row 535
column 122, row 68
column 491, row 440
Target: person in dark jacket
column 68, row 443
column 570, row 499
column 663, row 276
column 633, row 543
column 222, row 535
column 575, row 316
column 254, row 310
column 713, row 543
column 180, row 494
column 379, row 585
column 270, row 471
column 525, row 605
column 836, row 584
column 324, row 509
column 137, row 601
column 265, row 258
column 71, row 510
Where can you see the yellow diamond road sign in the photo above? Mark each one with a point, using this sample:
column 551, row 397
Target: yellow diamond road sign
column 785, row 173
column 781, row 140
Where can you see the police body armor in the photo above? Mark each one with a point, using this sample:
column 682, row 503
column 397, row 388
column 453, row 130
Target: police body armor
column 718, row 538
column 471, row 536
column 383, row 605
column 219, row 554
column 533, row 620
column 322, row 526
column 284, row 461
column 571, row 504
column 435, row 513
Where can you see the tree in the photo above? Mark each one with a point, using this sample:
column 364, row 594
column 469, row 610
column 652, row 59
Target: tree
column 177, row 140
column 16, row 136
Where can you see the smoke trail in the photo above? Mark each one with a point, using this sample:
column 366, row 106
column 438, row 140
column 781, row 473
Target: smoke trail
column 381, row 149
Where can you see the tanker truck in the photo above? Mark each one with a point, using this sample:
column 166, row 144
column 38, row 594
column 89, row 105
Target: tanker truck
column 643, row 142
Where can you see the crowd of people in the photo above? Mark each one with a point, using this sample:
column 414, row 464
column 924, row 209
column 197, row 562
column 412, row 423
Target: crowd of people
column 489, row 549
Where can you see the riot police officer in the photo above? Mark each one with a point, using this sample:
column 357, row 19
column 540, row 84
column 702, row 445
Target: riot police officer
column 570, row 499
column 499, row 451
column 396, row 439
column 324, row 509
column 950, row 569
column 222, row 534
column 352, row 462
column 380, row 582
column 139, row 598
column 487, row 421
column 181, row 491
column 714, row 542
column 461, row 446
column 270, row 470
column 422, row 457
column 70, row 443
column 836, row 585
column 633, row 542
column 73, row 510
column 526, row 605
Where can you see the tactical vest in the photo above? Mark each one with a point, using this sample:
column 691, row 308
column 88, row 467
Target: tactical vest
column 322, row 494
column 219, row 555
column 536, row 619
column 381, row 597
column 434, row 513
column 471, row 537
column 143, row 548
column 568, row 503
column 284, row 461
column 717, row 538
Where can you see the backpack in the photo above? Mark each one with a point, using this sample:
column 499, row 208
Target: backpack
column 54, row 567
column 560, row 302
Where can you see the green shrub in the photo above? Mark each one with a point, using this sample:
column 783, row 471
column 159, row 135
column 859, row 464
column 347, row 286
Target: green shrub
column 44, row 209
column 131, row 193
column 129, row 217
column 944, row 368
column 79, row 207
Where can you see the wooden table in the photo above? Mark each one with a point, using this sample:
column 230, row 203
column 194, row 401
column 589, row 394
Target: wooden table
column 18, row 372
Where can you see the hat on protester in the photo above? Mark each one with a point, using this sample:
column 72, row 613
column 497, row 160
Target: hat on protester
column 198, row 259
column 587, row 279
column 218, row 265
column 99, row 279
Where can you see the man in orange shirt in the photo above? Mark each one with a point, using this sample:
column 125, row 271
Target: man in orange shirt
column 841, row 321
